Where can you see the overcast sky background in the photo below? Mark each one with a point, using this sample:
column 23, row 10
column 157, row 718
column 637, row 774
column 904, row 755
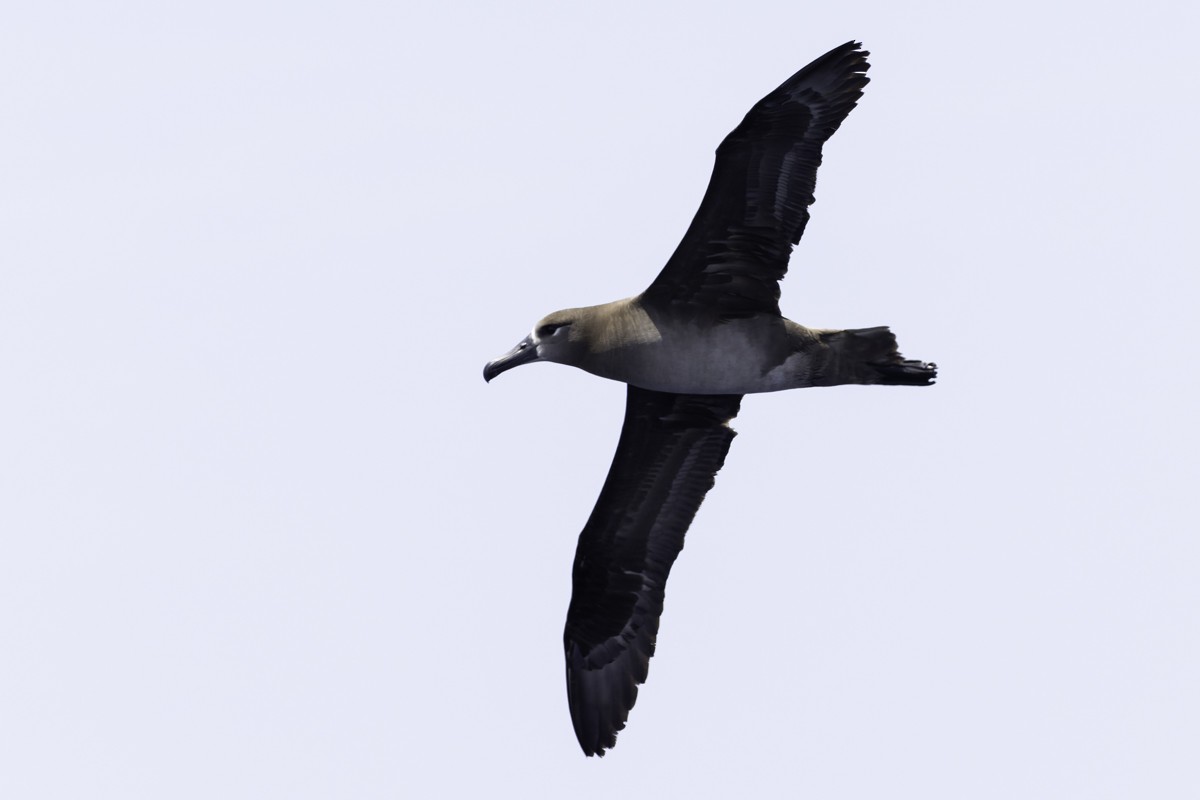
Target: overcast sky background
column 267, row 533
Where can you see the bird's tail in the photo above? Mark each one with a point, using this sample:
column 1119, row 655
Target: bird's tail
column 869, row 355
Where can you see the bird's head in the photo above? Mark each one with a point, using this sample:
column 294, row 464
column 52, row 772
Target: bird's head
column 554, row 338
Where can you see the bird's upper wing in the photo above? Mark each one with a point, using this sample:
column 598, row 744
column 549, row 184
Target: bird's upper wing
column 736, row 251
column 670, row 449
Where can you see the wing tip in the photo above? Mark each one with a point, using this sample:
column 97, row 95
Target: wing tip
column 840, row 72
column 600, row 709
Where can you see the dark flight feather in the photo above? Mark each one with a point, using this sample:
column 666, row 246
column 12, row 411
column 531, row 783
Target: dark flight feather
column 736, row 250
column 670, row 449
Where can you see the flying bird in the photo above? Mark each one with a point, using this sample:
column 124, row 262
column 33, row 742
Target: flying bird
column 706, row 332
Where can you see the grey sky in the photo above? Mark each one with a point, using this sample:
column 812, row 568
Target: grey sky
column 267, row 533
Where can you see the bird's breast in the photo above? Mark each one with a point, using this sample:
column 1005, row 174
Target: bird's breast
column 733, row 357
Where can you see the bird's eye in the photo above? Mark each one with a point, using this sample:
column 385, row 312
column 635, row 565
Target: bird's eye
column 547, row 330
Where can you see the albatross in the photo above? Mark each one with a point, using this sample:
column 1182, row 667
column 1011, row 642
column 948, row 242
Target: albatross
column 706, row 332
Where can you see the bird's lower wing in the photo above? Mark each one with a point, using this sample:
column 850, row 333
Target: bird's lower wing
column 670, row 449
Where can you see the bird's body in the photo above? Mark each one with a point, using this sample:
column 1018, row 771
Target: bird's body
column 633, row 342
column 705, row 332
